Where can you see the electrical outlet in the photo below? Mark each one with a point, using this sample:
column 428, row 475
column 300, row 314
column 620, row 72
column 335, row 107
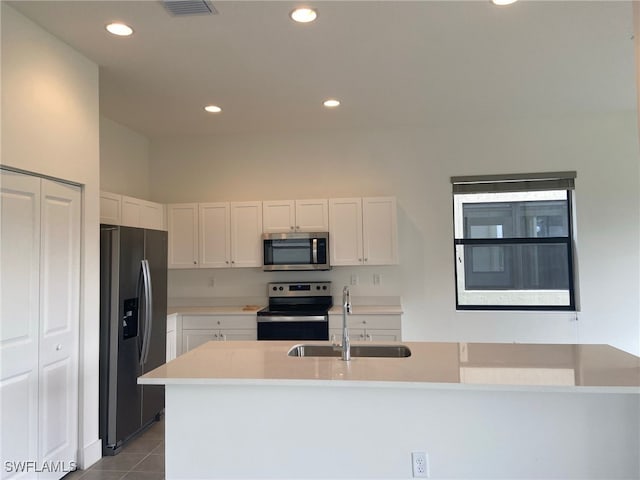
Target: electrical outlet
column 354, row 279
column 212, row 282
column 420, row 464
column 377, row 279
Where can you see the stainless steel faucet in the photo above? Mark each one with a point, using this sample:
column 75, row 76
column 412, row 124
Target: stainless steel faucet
column 346, row 309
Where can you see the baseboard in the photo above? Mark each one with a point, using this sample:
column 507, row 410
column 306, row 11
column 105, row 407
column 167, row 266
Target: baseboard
column 90, row 454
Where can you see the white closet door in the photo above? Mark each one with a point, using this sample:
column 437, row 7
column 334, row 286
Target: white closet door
column 19, row 311
column 59, row 323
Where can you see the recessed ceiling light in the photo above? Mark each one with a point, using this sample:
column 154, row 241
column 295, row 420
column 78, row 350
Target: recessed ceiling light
column 213, row 109
column 119, row 29
column 304, row 15
column 331, row 103
column 503, row 2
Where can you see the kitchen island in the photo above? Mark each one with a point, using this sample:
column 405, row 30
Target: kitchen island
column 248, row 410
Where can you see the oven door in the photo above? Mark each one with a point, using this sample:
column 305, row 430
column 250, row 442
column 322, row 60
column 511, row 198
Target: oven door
column 304, row 327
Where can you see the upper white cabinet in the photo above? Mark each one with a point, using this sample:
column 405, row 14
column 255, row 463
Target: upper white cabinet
column 182, row 223
column 215, row 235
column 246, row 234
column 131, row 212
column 364, row 231
column 295, row 216
column 110, row 208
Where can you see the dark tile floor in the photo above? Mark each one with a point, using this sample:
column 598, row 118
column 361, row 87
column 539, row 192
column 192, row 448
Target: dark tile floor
column 141, row 459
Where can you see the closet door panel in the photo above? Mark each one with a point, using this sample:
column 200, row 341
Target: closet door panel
column 59, row 325
column 19, row 310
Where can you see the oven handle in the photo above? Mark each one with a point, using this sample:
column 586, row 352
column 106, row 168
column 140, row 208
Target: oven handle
column 281, row 318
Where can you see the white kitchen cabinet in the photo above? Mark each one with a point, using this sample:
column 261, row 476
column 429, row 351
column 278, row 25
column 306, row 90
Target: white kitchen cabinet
column 182, row 222
column 110, row 208
column 363, row 231
column 142, row 213
column 194, row 330
column 39, row 321
column 246, row 234
column 310, row 215
column 215, row 235
column 131, row 212
column 366, row 327
column 171, row 337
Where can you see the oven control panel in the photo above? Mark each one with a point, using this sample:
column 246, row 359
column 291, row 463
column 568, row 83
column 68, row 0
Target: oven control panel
column 303, row 289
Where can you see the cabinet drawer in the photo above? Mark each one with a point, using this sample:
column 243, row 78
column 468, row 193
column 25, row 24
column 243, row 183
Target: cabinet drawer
column 190, row 322
column 374, row 321
column 392, row 322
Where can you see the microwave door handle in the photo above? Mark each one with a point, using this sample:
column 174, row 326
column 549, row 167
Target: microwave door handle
column 314, row 251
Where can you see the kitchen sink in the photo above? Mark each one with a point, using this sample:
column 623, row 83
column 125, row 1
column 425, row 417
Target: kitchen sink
column 372, row 351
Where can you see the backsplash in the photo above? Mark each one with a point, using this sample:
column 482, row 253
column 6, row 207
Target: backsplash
column 220, row 287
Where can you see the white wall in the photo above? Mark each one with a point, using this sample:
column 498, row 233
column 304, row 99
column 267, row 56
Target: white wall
column 124, row 160
column 50, row 127
column 415, row 164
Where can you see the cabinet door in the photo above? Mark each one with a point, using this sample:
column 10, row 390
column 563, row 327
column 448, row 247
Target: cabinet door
column 238, row 334
column 380, row 231
column 246, row 234
column 182, row 220
column 110, row 206
column 215, row 237
column 278, row 216
column 131, row 212
column 194, row 338
column 374, row 335
column 152, row 215
column 19, row 314
column 59, row 321
column 312, row 215
column 345, row 229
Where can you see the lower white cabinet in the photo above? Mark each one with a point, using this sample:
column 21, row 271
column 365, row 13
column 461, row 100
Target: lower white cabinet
column 372, row 328
column 39, row 323
column 191, row 330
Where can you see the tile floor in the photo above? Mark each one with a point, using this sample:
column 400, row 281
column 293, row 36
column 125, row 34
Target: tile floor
column 141, row 459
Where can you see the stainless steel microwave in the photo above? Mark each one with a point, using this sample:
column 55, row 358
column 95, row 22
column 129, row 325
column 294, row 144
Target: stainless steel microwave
column 296, row 251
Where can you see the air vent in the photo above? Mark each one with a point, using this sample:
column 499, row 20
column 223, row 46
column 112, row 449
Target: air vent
column 180, row 8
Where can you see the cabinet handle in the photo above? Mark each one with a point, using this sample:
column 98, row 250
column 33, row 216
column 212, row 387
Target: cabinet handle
column 223, row 337
column 195, row 263
column 297, row 227
column 366, row 259
column 215, row 335
column 233, row 261
column 227, row 262
column 292, row 227
column 369, row 337
column 360, row 260
column 59, row 347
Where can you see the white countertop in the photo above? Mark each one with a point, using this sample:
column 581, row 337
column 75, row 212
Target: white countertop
column 595, row 368
column 369, row 310
column 219, row 310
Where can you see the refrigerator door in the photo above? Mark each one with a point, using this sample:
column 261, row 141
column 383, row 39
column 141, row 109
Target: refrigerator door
column 155, row 252
column 128, row 392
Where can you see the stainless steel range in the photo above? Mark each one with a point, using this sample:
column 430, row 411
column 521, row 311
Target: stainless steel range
column 296, row 311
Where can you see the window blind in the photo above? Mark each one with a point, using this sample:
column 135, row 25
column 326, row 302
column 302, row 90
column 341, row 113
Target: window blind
column 514, row 182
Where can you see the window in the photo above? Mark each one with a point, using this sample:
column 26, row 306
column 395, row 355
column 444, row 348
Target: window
column 513, row 242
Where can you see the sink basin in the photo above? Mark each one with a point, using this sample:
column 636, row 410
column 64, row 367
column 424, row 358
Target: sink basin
column 375, row 351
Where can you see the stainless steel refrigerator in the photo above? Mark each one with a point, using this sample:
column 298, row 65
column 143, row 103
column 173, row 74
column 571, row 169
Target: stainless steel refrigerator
column 133, row 318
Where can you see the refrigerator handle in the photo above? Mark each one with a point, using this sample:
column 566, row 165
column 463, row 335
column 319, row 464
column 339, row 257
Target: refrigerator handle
column 148, row 311
column 142, row 323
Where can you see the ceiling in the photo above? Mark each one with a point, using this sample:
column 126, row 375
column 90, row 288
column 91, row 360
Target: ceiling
column 391, row 63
